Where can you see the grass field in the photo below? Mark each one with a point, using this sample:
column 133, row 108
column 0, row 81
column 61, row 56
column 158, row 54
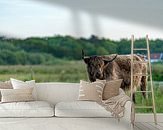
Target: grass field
column 72, row 71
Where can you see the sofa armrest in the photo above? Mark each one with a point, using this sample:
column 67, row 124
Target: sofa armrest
column 128, row 109
column 128, row 112
column 127, row 118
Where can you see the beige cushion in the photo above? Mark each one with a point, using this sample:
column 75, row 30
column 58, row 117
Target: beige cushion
column 16, row 95
column 18, row 84
column 91, row 91
column 111, row 88
column 5, row 85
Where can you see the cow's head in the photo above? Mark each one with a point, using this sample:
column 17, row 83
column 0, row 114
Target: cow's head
column 95, row 66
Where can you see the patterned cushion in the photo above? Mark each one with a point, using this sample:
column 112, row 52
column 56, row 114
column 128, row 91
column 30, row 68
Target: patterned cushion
column 91, row 91
column 5, row 85
column 16, row 95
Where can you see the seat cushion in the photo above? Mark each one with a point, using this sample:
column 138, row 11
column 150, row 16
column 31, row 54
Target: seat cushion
column 26, row 109
column 80, row 109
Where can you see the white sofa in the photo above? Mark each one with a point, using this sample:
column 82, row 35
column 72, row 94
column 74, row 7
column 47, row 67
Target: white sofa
column 57, row 108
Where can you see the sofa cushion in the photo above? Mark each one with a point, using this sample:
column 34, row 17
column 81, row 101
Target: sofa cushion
column 18, row 84
column 80, row 109
column 16, row 95
column 26, row 109
column 5, row 85
column 91, row 91
column 111, row 88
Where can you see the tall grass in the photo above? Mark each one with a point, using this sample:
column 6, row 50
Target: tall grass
column 67, row 72
column 158, row 95
column 157, row 71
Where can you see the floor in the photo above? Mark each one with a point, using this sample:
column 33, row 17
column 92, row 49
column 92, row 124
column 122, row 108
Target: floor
column 148, row 126
column 143, row 122
column 63, row 124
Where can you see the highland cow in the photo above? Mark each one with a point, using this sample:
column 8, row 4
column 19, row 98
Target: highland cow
column 117, row 67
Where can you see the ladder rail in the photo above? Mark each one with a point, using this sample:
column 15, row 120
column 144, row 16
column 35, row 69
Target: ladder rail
column 151, row 81
column 132, row 53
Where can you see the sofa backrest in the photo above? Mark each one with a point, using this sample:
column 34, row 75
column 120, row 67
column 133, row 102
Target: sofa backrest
column 55, row 92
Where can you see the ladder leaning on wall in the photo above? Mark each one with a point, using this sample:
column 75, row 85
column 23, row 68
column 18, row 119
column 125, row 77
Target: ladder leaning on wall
column 148, row 74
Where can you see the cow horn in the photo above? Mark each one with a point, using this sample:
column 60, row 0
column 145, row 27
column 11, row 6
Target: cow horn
column 86, row 59
column 111, row 59
column 83, row 54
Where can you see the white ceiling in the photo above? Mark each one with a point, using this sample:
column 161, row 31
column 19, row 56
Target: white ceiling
column 113, row 19
column 146, row 12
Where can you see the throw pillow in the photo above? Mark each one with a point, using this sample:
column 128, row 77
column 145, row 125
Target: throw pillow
column 16, row 95
column 5, row 85
column 111, row 89
column 91, row 91
column 18, row 84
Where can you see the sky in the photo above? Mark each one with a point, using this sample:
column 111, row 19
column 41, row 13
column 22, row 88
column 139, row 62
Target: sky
column 28, row 18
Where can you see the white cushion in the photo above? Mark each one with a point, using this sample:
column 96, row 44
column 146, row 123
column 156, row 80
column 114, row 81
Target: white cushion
column 80, row 109
column 26, row 109
column 18, row 84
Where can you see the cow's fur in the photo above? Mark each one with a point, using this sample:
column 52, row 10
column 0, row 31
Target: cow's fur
column 100, row 67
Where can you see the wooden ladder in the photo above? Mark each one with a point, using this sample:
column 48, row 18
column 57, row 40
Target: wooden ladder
column 148, row 74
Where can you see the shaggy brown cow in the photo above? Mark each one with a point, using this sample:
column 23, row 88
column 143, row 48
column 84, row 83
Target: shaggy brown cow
column 117, row 67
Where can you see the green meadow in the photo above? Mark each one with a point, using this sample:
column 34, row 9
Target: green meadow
column 68, row 71
column 74, row 71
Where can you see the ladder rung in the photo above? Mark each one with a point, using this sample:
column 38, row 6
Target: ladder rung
column 143, row 106
column 140, row 62
column 143, row 91
column 140, row 49
column 141, row 75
